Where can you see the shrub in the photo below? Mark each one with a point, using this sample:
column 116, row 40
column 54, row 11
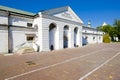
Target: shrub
column 106, row 38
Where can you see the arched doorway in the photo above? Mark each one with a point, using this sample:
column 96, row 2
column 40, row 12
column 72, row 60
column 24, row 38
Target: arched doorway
column 52, row 32
column 75, row 36
column 65, row 36
column 84, row 40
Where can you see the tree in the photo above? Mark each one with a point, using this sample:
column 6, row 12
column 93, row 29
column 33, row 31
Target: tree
column 109, row 30
column 117, row 27
column 106, row 28
column 113, row 33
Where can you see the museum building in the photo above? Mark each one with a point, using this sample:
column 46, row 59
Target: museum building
column 52, row 29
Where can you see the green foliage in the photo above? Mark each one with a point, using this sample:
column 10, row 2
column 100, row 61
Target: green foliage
column 105, row 28
column 113, row 31
column 99, row 27
column 106, row 38
column 117, row 27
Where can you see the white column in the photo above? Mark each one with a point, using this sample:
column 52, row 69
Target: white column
column 80, row 35
column 72, row 37
column 45, row 40
column 69, row 38
column 78, row 38
column 57, row 39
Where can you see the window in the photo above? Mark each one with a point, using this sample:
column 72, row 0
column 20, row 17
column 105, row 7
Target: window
column 93, row 38
column 30, row 37
column 29, row 24
column 99, row 38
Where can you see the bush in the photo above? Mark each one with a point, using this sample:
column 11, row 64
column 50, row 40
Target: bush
column 106, row 38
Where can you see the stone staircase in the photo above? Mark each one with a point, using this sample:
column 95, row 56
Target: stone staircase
column 25, row 48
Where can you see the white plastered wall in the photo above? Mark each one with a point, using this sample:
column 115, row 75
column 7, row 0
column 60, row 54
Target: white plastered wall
column 38, row 40
column 3, row 41
column 20, row 21
column 3, row 19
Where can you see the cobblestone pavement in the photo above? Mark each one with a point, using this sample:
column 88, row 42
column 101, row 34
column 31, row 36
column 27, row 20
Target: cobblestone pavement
column 92, row 62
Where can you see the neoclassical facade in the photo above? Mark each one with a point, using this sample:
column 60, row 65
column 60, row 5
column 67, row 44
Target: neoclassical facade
column 47, row 30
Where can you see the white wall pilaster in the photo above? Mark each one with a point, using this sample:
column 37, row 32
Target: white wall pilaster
column 69, row 38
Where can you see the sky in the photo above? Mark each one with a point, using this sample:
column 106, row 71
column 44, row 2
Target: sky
column 97, row 11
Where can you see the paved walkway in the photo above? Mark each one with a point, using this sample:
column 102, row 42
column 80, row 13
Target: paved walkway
column 92, row 62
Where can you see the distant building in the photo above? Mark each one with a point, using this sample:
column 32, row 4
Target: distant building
column 47, row 30
column 91, row 35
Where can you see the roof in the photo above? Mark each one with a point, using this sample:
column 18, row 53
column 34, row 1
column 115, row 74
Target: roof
column 16, row 10
column 55, row 11
column 91, row 28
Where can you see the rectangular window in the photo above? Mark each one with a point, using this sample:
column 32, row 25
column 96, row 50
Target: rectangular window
column 29, row 24
column 30, row 37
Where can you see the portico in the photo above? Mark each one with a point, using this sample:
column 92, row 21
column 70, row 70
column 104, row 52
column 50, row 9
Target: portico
column 60, row 28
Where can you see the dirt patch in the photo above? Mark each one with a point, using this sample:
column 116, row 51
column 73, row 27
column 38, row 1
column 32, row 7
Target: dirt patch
column 30, row 63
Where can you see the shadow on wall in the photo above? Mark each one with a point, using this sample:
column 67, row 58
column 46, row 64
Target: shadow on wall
column 84, row 41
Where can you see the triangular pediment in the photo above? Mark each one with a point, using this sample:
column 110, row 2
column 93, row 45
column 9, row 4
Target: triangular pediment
column 64, row 13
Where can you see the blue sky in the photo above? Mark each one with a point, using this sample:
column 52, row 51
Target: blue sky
column 98, row 11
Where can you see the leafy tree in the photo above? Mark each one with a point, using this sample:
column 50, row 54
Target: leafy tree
column 110, row 30
column 113, row 33
column 117, row 27
column 106, row 28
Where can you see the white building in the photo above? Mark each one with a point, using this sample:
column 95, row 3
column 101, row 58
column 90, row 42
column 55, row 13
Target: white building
column 91, row 35
column 52, row 29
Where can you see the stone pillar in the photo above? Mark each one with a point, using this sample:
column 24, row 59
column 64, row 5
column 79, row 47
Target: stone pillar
column 72, row 37
column 57, row 39
column 61, row 31
column 69, row 38
column 78, row 38
column 45, row 39
column 10, row 38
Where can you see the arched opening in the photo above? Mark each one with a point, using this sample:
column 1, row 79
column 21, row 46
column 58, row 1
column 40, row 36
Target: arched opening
column 84, row 40
column 75, row 37
column 65, row 36
column 93, row 38
column 52, row 32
